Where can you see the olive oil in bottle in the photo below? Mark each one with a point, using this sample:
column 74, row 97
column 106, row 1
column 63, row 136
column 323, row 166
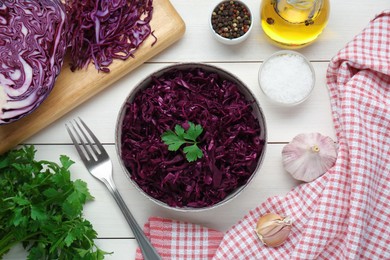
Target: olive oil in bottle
column 294, row 24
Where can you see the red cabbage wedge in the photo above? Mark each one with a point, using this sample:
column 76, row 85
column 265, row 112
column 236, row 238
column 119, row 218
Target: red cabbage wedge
column 32, row 48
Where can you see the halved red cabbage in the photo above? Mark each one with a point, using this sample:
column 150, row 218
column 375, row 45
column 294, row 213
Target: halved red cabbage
column 32, row 48
column 232, row 141
column 103, row 30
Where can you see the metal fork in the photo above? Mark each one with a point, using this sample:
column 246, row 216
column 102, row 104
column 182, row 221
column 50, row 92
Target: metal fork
column 99, row 165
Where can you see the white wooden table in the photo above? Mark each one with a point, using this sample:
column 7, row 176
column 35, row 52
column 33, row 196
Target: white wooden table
column 347, row 18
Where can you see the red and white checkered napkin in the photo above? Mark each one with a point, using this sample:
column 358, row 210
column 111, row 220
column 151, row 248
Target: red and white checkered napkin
column 344, row 214
column 180, row 240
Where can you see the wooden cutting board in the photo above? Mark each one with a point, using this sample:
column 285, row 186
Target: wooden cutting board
column 74, row 88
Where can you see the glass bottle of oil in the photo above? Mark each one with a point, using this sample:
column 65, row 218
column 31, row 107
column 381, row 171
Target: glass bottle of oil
column 293, row 24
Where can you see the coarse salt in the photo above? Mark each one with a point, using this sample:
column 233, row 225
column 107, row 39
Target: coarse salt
column 286, row 78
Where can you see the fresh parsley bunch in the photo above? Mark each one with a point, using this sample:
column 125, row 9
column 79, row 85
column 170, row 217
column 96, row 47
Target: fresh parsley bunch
column 41, row 208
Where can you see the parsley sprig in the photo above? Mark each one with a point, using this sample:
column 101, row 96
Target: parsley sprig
column 41, row 207
column 175, row 139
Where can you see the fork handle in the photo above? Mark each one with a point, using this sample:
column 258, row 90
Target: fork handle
column 147, row 249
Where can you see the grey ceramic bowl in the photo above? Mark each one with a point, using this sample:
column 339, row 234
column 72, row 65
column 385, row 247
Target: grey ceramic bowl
column 145, row 83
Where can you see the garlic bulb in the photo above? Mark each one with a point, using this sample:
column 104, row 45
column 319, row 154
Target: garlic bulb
column 273, row 229
column 308, row 156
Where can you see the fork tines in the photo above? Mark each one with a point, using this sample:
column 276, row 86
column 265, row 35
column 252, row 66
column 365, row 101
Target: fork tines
column 81, row 137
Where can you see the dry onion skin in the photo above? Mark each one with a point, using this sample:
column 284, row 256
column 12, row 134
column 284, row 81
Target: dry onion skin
column 309, row 155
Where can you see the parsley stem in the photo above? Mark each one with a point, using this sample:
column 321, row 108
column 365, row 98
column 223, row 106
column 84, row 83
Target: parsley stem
column 5, row 240
column 9, row 241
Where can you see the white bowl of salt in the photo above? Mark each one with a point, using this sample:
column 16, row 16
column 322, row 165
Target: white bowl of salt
column 287, row 78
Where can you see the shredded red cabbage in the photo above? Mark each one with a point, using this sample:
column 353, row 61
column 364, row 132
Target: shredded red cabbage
column 32, row 49
column 232, row 141
column 103, row 30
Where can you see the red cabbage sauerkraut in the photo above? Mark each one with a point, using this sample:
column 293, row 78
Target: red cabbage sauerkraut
column 103, row 30
column 32, row 48
column 232, row 141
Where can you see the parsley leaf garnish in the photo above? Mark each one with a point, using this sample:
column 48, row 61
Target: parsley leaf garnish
column 41, row 207
column 175, row 139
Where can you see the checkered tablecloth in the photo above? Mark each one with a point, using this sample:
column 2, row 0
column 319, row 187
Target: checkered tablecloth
column 344, row 214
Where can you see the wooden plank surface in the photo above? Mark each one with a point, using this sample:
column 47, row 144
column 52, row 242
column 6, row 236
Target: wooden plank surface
column 74, row 88
column 312, row 115
column 347, row 18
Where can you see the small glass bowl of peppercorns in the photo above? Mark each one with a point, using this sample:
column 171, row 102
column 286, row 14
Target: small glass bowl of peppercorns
column 231, row 21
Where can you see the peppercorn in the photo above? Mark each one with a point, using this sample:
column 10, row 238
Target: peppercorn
column 231, row 19
column 270, row 20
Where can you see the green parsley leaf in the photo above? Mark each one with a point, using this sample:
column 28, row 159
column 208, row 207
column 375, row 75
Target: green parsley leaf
column 69, row 239
column 37, row 252
column 20, row 201
column 193, row 132
column 179, row 130
column 3, row 163
column 172, row 140
column 51, row 193
column 82, row 252
column 82, row 191
column 17, row 218
column 38, row 213
column 66, row 162
column 175, row 139
column 193, row 152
